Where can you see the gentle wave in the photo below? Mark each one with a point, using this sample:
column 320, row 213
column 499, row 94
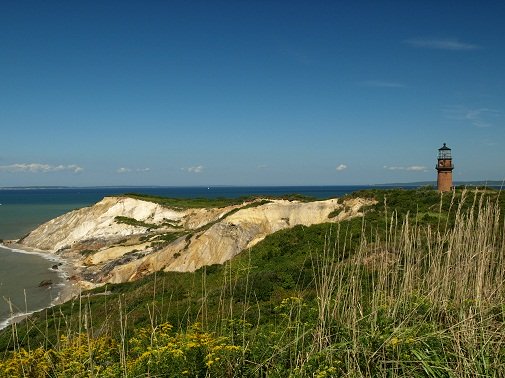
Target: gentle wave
column 47, row 256
column 19, row 315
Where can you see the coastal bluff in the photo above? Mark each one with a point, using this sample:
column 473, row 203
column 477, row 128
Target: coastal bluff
column 124, row 238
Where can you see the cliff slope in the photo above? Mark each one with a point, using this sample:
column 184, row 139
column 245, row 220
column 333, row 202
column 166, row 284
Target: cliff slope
column 121, row 239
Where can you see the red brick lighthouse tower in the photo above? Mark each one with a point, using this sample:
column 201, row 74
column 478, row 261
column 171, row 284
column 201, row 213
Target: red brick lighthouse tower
column 444, row 169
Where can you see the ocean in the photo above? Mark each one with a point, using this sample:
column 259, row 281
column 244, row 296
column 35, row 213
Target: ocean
column 23, row 209
column 20, row 276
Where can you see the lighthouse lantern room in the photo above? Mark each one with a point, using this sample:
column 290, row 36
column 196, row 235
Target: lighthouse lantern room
column 444, row 168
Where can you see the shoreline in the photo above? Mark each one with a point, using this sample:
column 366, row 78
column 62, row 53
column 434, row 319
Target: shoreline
column 68, row 288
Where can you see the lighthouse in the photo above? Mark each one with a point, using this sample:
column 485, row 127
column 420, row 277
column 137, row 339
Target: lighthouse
column 444, row 168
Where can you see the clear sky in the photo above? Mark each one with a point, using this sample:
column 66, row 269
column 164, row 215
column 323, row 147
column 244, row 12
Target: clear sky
column 249, row 92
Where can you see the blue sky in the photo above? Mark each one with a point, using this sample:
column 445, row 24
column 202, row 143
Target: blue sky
column 249, row 92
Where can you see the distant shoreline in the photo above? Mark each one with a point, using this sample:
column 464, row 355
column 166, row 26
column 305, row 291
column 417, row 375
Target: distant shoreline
column 492, row 183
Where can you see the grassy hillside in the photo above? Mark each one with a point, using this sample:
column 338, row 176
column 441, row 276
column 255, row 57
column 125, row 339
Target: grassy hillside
column 192, row 203
column 416, row 288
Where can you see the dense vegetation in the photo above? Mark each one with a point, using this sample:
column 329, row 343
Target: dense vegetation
column 134, row 222
column 414, row 289
column 193, row 203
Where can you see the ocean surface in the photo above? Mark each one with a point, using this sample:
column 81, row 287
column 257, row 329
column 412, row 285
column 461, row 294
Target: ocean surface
column 23, row 209
column 20, row 276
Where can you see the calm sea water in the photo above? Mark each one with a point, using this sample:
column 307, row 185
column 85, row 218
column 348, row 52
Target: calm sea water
column 22, row 210
column 20, row 276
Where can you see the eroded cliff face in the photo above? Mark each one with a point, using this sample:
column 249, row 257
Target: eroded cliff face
column 121, row 239
column 99, row 222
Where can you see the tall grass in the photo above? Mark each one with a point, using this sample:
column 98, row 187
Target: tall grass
column 421, row 301
column 411, row 300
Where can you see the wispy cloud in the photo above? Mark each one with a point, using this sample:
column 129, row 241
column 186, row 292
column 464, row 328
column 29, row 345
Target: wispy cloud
column 39, row 168
column 452, row 44
column 414, row 168
column 381, row 84
column 194, row 169
column 478, row 117
column 341, row 167
column 489, row 143
column 417, row 168
column 127, row 170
